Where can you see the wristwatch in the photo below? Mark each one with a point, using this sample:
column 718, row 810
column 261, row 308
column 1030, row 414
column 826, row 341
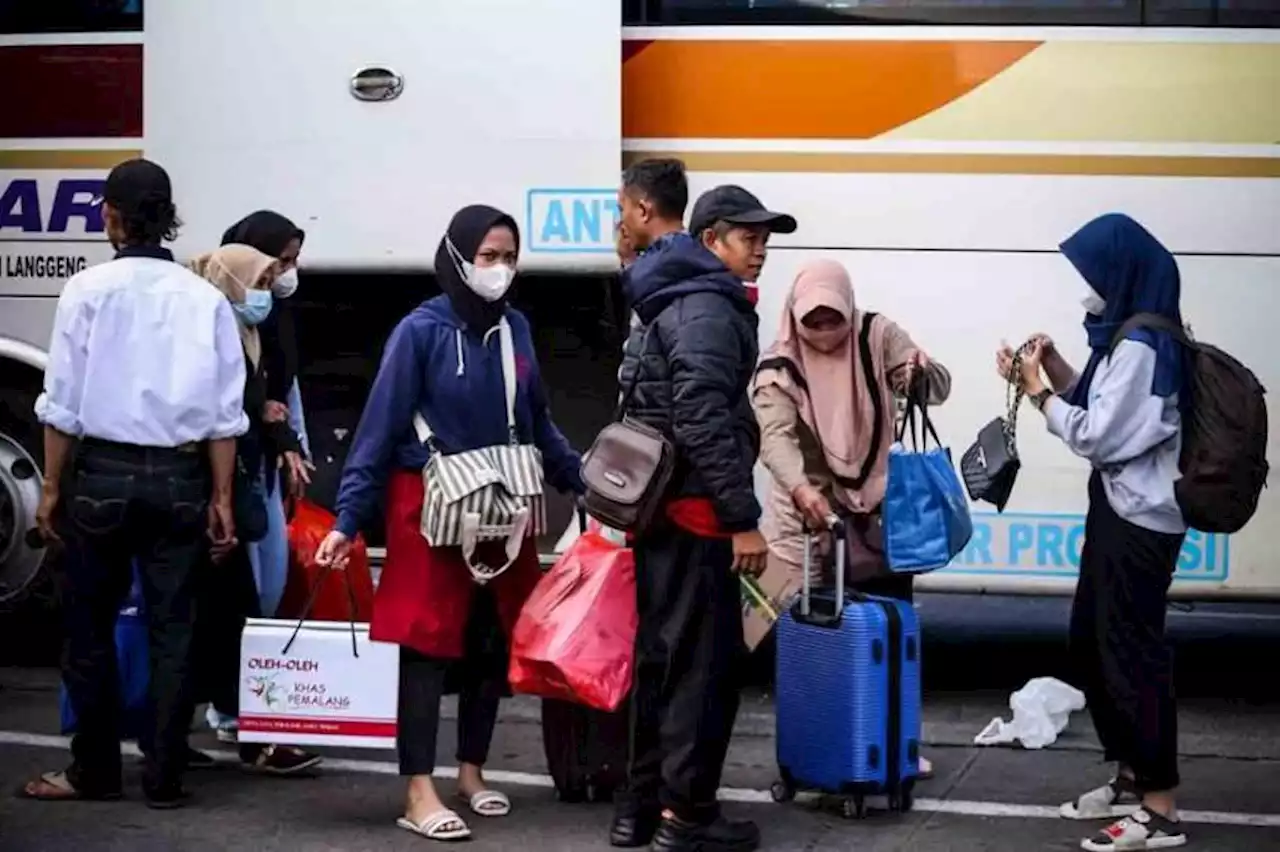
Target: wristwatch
column 1039, row 399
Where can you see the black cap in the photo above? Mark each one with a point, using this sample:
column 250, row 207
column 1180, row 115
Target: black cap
column 136, row 184
column 735, row 205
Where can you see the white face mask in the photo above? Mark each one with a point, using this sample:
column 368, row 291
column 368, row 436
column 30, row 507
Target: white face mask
column 286, row 285
column 490, row 283
column 1094, row 304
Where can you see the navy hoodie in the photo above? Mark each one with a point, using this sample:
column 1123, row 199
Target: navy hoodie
column 434, row 365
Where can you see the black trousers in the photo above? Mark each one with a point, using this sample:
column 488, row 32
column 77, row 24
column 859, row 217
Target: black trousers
column 686, row 691
column 226, row 597
column 122, row 503
column 479, row 679
column 1119, row 650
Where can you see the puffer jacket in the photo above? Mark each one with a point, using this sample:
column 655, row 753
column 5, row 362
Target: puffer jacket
column 698, row 333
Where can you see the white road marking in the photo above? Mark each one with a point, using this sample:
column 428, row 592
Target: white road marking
column 501, row 777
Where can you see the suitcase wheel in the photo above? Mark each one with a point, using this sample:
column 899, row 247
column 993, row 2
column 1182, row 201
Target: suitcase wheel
column 782, row 791
column 854, row 807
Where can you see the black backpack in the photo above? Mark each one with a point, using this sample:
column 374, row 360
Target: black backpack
column 1224, row 434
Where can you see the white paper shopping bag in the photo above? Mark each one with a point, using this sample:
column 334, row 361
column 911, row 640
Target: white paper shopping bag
column 328, row 685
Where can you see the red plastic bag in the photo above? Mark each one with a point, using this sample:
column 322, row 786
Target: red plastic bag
column 333, row 601
column 575, row 638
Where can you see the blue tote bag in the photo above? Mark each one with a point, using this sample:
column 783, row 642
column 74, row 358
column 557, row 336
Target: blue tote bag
column 926, row 515
column 133, row 659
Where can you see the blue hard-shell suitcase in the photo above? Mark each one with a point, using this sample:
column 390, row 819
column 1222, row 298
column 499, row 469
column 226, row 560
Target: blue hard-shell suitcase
column 848, row 694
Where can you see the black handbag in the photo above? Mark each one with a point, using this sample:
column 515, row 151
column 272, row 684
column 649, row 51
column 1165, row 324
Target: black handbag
column 248, row 508
column 990, row 467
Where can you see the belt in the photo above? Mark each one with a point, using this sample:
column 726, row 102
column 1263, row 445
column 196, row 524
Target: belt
column 188, row 447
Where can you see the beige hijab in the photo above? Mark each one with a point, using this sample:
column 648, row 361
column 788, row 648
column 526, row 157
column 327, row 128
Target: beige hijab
column 822, row 372
column 235, row 269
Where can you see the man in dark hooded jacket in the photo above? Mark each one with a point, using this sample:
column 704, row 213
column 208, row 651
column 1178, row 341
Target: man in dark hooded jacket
column 690, row 359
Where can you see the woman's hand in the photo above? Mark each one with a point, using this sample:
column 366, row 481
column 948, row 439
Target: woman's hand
column 812, row 505
column 1039, row 342
column 299, row 470
column 1029, row 368
column 334, row 551
column 917, row 363
column 275, row 412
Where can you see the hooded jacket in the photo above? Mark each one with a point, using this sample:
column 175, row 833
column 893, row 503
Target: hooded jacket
column 691, row 358
column 436, row 365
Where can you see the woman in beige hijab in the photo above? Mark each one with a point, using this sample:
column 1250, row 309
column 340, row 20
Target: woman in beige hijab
column 245, row 275
column 826, row 397
column 239, row 271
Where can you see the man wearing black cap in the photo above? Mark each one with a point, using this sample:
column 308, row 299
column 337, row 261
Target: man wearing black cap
column 143, row 400
column 735, row 226
column 686, row 369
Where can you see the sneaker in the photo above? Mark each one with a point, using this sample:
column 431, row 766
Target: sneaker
column 1102, row 802
column 226, row 728
column 1143, row 829
column 676, row 835
column 283, row 760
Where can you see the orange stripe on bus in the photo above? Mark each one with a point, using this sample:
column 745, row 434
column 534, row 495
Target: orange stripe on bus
column 799, row 90
column 22, row 160
column 785, row 162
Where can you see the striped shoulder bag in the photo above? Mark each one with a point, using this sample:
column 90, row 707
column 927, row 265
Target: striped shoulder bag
column 489, row 494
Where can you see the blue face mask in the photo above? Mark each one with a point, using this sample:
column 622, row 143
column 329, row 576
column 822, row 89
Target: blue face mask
column 255, row 307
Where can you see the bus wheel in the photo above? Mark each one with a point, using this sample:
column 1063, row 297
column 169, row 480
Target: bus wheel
column 22, row 551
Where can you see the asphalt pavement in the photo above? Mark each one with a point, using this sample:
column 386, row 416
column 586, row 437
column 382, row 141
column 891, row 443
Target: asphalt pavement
column 976, row 651
column 998, row 799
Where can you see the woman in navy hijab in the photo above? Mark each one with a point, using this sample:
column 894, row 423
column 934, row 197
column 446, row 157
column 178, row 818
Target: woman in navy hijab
column 1122, row 413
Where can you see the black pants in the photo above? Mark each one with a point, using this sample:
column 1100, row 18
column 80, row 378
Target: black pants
column 685, row 696
column 226, row 597
column 422, row 684
column 122, row 503
column 479, row 678
column 1123, row 662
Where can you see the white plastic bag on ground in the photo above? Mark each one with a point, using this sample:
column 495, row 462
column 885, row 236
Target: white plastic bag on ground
column 1041, row 711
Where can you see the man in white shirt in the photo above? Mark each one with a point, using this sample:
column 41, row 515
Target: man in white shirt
column 143, row 400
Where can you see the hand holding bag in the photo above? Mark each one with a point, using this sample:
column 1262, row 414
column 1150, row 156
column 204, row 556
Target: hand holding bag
column 627, row 469
column 489, row 494
column 926, row 515
column 990, row 467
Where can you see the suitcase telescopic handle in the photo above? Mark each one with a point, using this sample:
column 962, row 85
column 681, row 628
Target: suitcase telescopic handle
column 807, row 614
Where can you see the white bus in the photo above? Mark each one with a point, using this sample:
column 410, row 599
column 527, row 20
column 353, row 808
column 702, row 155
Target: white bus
column 940, row 148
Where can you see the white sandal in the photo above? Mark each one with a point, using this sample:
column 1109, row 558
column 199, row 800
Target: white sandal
column 444, row 826
column 488, row 803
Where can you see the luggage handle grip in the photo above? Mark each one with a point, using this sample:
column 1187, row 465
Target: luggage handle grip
column 806, row 613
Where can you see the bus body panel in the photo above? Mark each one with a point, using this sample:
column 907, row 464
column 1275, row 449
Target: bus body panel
column 499, row 100
column 943, row 165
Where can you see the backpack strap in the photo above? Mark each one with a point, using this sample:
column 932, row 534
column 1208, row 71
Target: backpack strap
column 873, row 388
column 1155, row 322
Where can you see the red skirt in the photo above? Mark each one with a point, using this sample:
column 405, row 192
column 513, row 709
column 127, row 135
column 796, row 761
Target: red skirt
column 425, row 592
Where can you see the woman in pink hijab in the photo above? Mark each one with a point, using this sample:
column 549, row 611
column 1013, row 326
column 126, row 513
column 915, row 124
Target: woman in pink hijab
column 826, row 397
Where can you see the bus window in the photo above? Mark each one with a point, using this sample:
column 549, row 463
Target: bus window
column 20, row 17
column 816, row 12
column 1213, row 13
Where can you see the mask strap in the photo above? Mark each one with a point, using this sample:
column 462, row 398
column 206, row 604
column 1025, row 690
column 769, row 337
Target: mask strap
column 460, row 263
